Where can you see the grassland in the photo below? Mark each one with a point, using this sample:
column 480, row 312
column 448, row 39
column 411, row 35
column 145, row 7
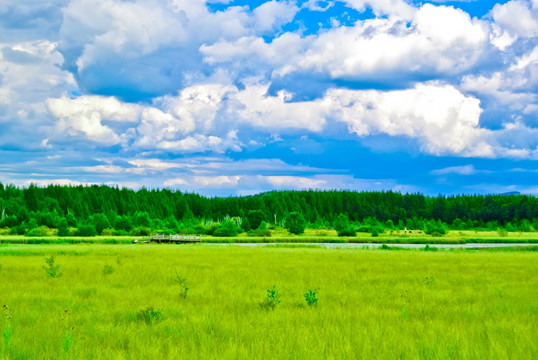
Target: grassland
column 310, row 236
column 124, row 302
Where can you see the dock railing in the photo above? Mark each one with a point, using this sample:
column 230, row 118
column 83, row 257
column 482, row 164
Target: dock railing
column 179, row 238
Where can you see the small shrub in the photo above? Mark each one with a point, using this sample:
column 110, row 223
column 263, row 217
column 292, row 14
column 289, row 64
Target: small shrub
column 149, row 315
column 271, row 300
column 311, row 297
column 108, row 269
column 374, row 231
column 182, row 283
column 52, row 269
column 429, row 248
column 262, row 230
column 40, row 231
column 502, row 232
column 348, row 231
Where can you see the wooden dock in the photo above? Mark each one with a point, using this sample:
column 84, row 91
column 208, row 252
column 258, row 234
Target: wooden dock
column 178, row 239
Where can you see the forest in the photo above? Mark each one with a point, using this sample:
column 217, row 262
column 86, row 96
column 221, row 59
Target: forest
column 104, row 210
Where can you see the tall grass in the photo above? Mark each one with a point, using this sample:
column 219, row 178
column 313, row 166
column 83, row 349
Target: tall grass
column 372, row 304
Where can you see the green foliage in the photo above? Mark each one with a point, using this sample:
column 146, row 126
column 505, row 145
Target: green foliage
column 182, row 283
column 52, row 269
column 311, row 297
column 123, row 223
column 341, row 223
column 375, row 231
column 40, row 231
column 63, row 227
column 295, row 223
column 86, row 230
column 435, row 228
column 227, row 228
column 349, row 230
column 271, row 300
column 150, row 315
column 7, row 329
column 24, row 209
column 430, row 248
column 100, row 221
column 140, row 231
column 502, row 232
column 108, row 269
column 255, row 218
column 262, row 230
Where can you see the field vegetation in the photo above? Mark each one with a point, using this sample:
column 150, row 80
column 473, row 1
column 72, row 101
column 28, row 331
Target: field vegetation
column 88, row 211
column 207, row 301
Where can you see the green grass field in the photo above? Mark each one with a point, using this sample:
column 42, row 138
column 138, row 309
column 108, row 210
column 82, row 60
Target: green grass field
column 124, row 302
column 310, row 236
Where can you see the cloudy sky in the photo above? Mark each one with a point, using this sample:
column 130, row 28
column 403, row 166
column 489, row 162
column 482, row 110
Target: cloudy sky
column 226, row 97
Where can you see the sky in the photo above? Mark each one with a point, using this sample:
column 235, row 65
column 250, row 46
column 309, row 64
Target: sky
column 236, row 97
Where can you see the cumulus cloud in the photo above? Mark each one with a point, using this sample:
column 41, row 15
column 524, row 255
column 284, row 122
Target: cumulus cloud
column 443, row 119
column 206, row 118
column 440, row 40
column 518, row 17
column 85, row 115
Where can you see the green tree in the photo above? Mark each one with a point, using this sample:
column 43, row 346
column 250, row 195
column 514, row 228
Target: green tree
column 295, row 223
column 255, row 218
column 63, row 227
column 100, row 221
column 227, row 228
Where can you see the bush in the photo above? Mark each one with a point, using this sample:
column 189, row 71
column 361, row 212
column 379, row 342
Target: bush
column 271, row 300
column 311, row 297
column 40, row 231
column 376, row 230
column 347, row 231
column 150, row 315
column 51, row 269
column 435, row 229
column 262, row 230
column 295, row 223
column 227, row 228
column 86, row 230
column 341, row 223
column 140, row 231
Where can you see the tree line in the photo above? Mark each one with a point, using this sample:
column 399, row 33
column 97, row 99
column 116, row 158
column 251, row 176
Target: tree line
column 92, row 210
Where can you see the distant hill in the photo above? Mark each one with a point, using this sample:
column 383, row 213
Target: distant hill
column 511, row 193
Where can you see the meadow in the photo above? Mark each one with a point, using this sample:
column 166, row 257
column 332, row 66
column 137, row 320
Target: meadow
column 280, row 235
column 230, row 302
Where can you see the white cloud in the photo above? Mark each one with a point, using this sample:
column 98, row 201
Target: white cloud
column 460, row 170
column 295, row 182
column 519, row 18
column 438, row 40
column 254, row 107
column 395, row 8
column 84, row 116
column 439, row 116
column 270, row 16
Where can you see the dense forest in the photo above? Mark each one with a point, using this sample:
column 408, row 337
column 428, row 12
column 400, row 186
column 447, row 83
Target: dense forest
column 92, row 210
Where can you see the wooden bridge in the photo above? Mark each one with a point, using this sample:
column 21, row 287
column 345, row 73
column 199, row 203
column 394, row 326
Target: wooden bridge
column 178, row 239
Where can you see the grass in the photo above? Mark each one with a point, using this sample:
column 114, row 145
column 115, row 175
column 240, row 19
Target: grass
column 370, row 303
column 280, row 235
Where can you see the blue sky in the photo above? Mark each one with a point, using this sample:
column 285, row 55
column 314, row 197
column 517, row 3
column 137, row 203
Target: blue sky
column 225, row 97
